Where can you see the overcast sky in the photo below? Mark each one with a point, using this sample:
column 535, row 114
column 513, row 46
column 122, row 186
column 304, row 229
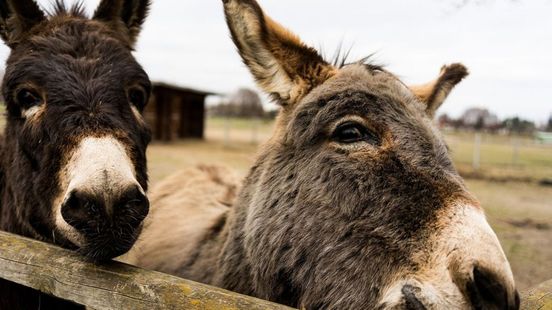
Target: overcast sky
column 506, row 44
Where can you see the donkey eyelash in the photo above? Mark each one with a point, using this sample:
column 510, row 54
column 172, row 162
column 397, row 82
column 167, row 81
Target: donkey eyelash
column 350, row 119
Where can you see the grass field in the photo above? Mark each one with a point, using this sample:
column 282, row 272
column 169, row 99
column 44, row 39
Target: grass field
column 520, row 212
column 499, row 157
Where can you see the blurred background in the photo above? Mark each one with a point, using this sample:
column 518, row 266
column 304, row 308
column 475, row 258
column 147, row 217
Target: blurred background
column 498, row 122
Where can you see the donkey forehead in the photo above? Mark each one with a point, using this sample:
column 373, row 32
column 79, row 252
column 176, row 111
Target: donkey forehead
column 360, row 78
column 358, row 90
column 74, row 44
column 76, row 74
column 45, row 66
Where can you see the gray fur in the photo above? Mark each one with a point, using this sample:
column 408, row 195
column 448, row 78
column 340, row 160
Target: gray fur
column 324, row 222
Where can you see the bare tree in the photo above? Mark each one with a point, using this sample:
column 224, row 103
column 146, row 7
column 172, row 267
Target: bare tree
column 243, row 103
column 248, row 103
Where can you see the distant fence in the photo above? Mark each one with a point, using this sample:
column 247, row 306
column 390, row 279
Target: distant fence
column 544, row 137
column 500, row 157
column 64, row 274
column 253, row 130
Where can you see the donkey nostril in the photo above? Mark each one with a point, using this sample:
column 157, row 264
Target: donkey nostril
column 133, row 206
column 79, row 208
column 411, row 302
column 139, row 205
column 488, row 292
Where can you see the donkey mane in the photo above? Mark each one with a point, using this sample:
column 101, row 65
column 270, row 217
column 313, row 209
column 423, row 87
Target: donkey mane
column 61, row 9
column 341, row 58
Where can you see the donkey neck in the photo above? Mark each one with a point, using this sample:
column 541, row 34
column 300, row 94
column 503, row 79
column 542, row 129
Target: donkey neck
column 2, row 179
column 235, row 270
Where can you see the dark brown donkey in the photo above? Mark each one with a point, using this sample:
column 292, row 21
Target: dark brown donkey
column 73, row 163
column 353, row 203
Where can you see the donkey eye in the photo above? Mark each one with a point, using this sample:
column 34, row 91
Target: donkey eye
column 27, row 98
column 137, row 97
column 352, row 132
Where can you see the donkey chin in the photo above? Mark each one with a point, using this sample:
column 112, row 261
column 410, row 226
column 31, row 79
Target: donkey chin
column 102, row 206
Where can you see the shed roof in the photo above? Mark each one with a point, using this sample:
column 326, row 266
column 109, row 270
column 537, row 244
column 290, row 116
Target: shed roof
column 183, row 89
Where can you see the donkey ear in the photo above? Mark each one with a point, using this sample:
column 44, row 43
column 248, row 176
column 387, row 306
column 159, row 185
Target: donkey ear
column 124, row 15
column 281, row 64
column 17, row 17
column 434, row 93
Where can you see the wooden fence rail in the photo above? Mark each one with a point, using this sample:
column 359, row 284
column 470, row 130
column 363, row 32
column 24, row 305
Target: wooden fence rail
column 62, row 273
column 539, row 297
column 114, row 285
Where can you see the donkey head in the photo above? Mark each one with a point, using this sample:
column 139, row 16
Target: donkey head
column 75, row 138
column 355, row 202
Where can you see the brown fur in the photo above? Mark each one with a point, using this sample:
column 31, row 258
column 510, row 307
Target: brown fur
column 190, row 202
column 81, row 71
column 354, row 202
column 282, row 65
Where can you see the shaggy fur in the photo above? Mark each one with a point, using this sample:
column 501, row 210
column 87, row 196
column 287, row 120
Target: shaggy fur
column 354, row 202
column 82, row 69
column 188, row 203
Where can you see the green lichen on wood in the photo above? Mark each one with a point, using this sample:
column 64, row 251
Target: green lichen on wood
column 114, row 285
column 538, row 298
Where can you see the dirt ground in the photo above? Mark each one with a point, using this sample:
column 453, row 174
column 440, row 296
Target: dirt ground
column 520, row 212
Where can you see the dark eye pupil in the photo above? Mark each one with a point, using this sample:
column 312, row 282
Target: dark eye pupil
column 350, row 134
column 137, row 98
column 354, row 132
column 28, row 99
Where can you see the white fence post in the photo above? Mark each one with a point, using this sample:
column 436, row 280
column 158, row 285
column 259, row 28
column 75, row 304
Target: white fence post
column 515, row 154
column 255, row 131
column 477, row 151
column 227, row 127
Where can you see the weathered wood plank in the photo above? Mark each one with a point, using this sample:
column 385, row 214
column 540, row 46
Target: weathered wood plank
column 114, row 285
column 539, row 297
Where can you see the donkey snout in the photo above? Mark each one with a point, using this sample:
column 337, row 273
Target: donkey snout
column 477, row 264
column 91, row 212
column 485, row 290
column 465, row 268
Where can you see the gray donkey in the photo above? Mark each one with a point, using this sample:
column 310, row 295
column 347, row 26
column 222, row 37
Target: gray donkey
column 354, row 202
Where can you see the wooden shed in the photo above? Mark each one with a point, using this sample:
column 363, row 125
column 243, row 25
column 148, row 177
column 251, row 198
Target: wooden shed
column 176, row 112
